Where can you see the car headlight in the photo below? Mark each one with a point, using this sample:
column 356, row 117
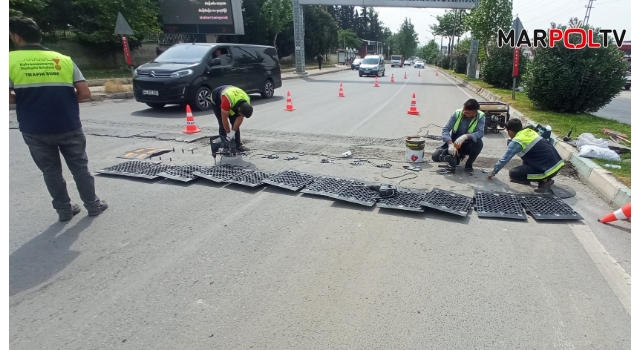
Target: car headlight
column 135, row 72
column 182, row 73
column 374, row 68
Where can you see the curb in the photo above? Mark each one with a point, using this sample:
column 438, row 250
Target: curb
column 101, row 82
column 602, row 181
column 316, row 74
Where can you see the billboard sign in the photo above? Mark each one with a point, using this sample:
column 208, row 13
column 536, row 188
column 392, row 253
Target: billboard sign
column 202, row 16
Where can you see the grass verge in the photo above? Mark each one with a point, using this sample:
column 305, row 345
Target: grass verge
column 92, row 74
column 561, row 123
column 113, row 86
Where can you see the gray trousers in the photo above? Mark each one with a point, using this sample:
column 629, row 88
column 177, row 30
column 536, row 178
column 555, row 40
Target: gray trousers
column 45, row 151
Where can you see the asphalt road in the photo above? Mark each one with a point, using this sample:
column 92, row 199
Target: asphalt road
column 619, row 109
column 207, row 266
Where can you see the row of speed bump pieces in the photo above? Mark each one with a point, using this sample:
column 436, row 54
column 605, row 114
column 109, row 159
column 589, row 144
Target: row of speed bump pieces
column 487, row 204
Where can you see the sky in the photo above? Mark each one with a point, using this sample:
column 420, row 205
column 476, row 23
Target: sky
column 534, row 14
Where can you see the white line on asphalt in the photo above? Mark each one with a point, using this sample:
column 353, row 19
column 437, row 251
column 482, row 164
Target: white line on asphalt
column 617, row 278
column 372, row 115
column 456, row 85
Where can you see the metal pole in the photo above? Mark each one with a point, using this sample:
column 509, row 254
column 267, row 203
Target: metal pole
column 513, row 92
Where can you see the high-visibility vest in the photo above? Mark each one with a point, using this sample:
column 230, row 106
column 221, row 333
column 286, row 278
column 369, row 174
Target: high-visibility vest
column 538, row 154
column 472, row 125
column 235, row 95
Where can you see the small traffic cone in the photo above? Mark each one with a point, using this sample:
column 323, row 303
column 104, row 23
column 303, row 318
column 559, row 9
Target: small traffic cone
column 413, row 110
column 623, row 213
column 436, row 72
column 376, row 84
column 191, row 124
column 392, row 80
column 289, row 103
column 341, row 94
column 419, row 74
column 405, row 75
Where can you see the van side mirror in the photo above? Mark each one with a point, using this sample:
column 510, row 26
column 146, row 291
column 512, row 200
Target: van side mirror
column 215, row 62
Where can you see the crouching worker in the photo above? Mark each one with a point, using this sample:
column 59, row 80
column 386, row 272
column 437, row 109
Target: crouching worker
column 541, row 160
column 462, row 137
column 231, row 106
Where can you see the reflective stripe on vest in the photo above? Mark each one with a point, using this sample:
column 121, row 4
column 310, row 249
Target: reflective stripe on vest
column 527, row 139
column 235, row 95
column 472, row 125
column 36, row 68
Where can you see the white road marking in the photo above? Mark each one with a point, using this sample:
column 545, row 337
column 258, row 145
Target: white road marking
column 617, row 278
column 456, row 85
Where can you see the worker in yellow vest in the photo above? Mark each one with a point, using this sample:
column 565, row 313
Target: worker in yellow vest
column 46, row 86
column 462, row 137
column 541, row 160
column 231, row 105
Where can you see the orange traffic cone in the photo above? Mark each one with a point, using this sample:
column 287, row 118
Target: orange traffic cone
column 419, row 74
column 413, row 110
column 289, row 103
column 623, row 213
column 341, row 94
column 436, row 72
column 405, row 75
column 376, row 84
column 191, row 124
column 392, row 80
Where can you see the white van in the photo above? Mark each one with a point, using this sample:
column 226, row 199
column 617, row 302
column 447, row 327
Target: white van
column 396, row 61
column 372, row 65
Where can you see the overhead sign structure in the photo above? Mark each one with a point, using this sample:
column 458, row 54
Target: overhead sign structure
column 517, row 28
column 448, row 4
column 221, row 17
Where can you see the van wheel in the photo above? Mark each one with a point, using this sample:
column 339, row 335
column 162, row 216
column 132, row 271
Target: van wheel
column 267, row 91
column 202, row 100
column 156, row 105
column 360, row 74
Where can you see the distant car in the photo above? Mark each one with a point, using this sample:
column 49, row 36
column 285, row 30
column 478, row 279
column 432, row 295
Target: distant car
column 408, row 62
column 627, row 85
column 372, row 65
column 396, row 60
column 418, row 64
column 356, row 63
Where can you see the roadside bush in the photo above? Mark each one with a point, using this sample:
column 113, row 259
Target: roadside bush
column 497, row 69
column 575, row 81
column 460, row 62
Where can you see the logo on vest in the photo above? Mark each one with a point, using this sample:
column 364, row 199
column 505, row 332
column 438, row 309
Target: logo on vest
column 57, row 61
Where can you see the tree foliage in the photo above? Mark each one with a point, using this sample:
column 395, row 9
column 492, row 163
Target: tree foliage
column 485, row 20
column 320, row 31
column 347, row 38
column 498, row 67
column 406, row 40
column 575, row 81
column 430, row 52
column 277, row 14
column 452, row 24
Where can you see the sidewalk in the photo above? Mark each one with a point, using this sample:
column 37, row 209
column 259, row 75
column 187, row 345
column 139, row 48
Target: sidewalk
column 97, row 86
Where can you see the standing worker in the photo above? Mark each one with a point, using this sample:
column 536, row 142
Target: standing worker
column 462, row 136
column 46, row 87
column 541, row 160
column 231, row 106
column 319, row 59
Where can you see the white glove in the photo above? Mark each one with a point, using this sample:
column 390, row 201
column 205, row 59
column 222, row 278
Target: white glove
column 461, row 140
column 452, row 150
column 231, row 135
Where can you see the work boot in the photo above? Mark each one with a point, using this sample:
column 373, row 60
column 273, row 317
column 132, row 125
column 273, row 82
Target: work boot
column 97, row 211
column 243, row 148
column 66, row 215
column 544, row 186
column 468, row 169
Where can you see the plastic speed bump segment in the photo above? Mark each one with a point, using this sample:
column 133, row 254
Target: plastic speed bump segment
column 250, row 178
column 548, row 208
column 404, row 200
column 499, row 205
column 357, row 193
column 327, row 186
column 448, row 202
column 133, row 168
column 182, row 173
column 218, row 173
column 290, row 180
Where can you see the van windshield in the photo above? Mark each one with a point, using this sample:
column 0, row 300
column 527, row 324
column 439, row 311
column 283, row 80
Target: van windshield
column 396, row 57
column 183, row 54
column 370, row 61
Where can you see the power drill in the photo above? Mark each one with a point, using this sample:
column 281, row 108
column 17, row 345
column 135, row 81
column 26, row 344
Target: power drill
column 385, row 191
column 228, row 147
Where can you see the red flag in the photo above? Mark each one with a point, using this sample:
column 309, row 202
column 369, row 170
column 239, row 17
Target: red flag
column 516, row 61
column 127, row 54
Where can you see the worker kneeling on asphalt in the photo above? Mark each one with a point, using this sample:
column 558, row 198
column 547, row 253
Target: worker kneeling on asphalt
column 462, row 136
column 541, row 160
column 231, row 106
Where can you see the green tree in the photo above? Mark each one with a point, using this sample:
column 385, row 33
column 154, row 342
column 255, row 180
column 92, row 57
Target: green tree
column 498, row 67
column 406, row 40
column 28, row 8
column 575, row 81
column 485, row 20
column 277, row 14
column 451, row 25
column 347, row 38
column 430, row 52
column 321, row 31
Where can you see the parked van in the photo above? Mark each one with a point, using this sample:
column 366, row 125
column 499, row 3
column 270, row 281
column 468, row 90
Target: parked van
column 372, row 65
column 187, row 73
column 396, row 60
